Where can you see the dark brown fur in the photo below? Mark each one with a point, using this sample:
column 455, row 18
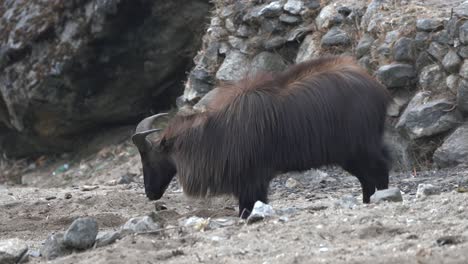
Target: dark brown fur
column 326, row 111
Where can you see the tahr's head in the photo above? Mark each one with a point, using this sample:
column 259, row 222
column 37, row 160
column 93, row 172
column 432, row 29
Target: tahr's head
column 158, row 168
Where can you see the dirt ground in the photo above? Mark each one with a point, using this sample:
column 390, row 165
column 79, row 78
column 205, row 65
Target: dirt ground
column 314, row 222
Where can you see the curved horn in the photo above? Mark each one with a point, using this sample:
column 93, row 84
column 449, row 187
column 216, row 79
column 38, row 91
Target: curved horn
column 143, row 129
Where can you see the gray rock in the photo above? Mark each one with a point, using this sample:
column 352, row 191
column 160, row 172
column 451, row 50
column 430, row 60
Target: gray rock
column 272, row 9
column 310, row 48
column 54, row 247
column 141, row 225
column 425, row 189
column 364, row 45
column 427, row 24
column 464, row 69
column 365, row 62
column 399, row 100
column 463, row 52
column 201, row 106
column 463, row 31
column 323, row 20
column 403, row 50
column 344, row 11
column 452, row 62
column 443, row 37
column 335, row 37
column 229, row 25
column 290, row 19
column 81, row 234
column 267, row 62
column 462, row 96
column 293, row 6
column 452, row 82
column 348, row 202
column 245, row 31
column 260, row 211
column 432, row 78
column 461, row 10
column 371, row 13
column 396, row 75
column 107, row 238
column 271, row 26
column 421, row 40
column 12, row 250
column 423, row 60
column 437, row 51
column 274, row 42
column 312, row 4
column 291, row 183
column 424, row 117
column 235, row 66
column 388, row 195
column 454, row 150
column 452, row 27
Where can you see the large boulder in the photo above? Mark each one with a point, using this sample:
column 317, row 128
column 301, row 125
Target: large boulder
column 427, row 117
column 68, row 67
column 454, row 150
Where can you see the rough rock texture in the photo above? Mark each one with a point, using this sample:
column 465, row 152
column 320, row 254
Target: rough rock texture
column 12, row 250
column 426, row 117
column 81, row 234
column 54, row 247
column 68, row 67
column 454, row 151
column 396, row 75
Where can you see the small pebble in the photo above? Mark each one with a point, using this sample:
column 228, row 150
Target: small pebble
column 426, row 190
column 51, row 198
column 260, row 211
column 85, row 188
column 390, row 195
column 68, row 196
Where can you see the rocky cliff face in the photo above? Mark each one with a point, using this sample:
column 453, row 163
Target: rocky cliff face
column 419, row 52
column 68, row 67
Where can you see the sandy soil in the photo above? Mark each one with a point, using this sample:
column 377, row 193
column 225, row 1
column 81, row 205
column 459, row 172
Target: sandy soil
column 313, row 224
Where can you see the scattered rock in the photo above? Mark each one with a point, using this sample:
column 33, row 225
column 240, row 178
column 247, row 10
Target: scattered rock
column 271, row 26
column 461, row 10
column 12, row 250
column 267, row 62
column 335, row 37
column 424, row 117
column 463, row 52
column 323, row 20
column 260, row 211
column 198, row 223
column 426, row 190
column 454, row 150
column 245, row 31
column 438, row 51
column 427, row 24
column 463, row 31
column 396, row 75
column 449, row 240
column 371, row 13
column 464, row 69
column 389, row 195
column 309, row 48
column 348, row 202
column 272, row 9
column 399, row 100
column 274, row 42
column 68, row 196
column 403, row 50
column 107, row 238
column 452, row 82
column 364, row 45
column 312, row 4
column 86, row 188
column 55, row 247
column 141, row 224
column 452, row 62
column 235, row 66
column 293, row 6
column 344, row 11
column 82, row 233
column 432, row 78
column 290, row 19
column 48, row 198
column 126, row 179
column 399, row 149
column 462, row 96
column 291, row 183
